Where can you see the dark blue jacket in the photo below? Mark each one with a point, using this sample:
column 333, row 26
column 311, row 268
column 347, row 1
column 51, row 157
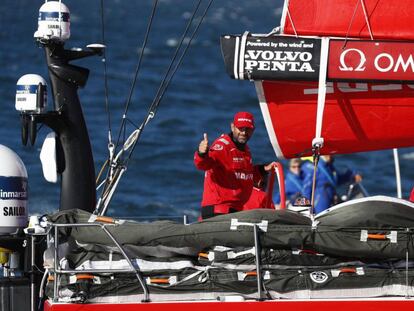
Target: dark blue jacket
column 293, row 187
column 327, row 179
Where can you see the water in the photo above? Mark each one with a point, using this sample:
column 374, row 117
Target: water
column 161, row 179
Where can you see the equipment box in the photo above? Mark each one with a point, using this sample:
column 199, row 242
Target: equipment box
column 14, row 294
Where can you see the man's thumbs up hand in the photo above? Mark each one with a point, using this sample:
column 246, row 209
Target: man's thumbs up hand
column 203, row 147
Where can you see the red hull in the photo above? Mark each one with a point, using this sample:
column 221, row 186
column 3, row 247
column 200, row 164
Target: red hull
column 357, row 117
column 279, row 305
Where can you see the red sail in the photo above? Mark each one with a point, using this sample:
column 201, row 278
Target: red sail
column 384, row 19
column 357, row 116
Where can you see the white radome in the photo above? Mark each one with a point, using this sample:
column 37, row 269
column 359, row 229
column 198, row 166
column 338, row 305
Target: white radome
column 26, row 93
column 13, row 191
column 54, row 22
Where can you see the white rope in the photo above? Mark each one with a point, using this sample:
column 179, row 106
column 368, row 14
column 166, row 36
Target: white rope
column 350, row 24
column 366, row 19
column 291, row 21
column 397, row 173
column 318, row 140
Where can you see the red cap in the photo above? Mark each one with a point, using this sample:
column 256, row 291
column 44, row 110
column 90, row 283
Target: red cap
column 243, row 119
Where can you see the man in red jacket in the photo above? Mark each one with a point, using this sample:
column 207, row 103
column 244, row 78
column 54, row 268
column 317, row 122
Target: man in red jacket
column 228, row 167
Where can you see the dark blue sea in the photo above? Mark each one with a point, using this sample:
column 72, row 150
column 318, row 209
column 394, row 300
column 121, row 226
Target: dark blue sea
column 161, row 179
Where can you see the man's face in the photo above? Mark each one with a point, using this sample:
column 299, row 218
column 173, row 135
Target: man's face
column 295, row 168
column 241, row 135
column 328, row 158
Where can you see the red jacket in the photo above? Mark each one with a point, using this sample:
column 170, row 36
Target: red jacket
column 257, row 199
column 229, row 174
column 411, row 195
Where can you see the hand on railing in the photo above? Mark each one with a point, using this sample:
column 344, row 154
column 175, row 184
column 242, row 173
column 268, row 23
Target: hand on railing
column 276, row 168
column 270, row 166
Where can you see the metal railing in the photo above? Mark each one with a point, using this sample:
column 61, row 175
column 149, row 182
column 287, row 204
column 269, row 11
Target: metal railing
column 57, row 270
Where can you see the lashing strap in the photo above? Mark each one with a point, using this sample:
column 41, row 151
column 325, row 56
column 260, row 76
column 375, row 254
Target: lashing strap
column 235, row 224
column 337, row 272
column 365, row 236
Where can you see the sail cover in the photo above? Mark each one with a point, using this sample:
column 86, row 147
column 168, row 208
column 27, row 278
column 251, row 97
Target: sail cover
column 360, row 248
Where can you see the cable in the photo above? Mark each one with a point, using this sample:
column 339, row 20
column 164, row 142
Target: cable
column 350, row 24
column 118, row 168
column 106, row 90
column 163, row 82
column 105, row 74
column 134, row 80
column 157, row 101
column 122, row 129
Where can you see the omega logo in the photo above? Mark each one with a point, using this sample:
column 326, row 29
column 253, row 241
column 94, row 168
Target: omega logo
column 362, row 61
column 383, row 62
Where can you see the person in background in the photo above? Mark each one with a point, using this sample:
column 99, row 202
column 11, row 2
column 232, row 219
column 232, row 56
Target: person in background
column 327, row 179
column 258, row 197
column 293, row 182
column 229, row 172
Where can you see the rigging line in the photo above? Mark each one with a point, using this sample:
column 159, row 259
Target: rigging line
column 120, row 169
column 125, row 119
column 167, row 73
column 133, row 124
column 350, row 24
column 106, row 90
column 165, row 85
column 105, row 74
column 101, row 171
column 291, row 21
column 367, row 19
column 141, row 56
column 122, row 130
column 151, row 112
column 167, row 78
column 155, row 104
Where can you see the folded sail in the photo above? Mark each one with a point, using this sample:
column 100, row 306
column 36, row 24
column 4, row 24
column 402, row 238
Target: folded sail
column 360, row 248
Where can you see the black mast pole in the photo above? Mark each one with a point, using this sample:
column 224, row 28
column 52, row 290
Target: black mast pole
column 74, row 152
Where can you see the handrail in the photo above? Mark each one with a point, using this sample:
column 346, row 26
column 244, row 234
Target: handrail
column 276, row 170
column 57, row 270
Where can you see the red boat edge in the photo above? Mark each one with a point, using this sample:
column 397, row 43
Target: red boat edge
column 402, row 304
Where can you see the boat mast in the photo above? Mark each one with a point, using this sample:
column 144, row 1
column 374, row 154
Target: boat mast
column 73, row 149
column 75, row 159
